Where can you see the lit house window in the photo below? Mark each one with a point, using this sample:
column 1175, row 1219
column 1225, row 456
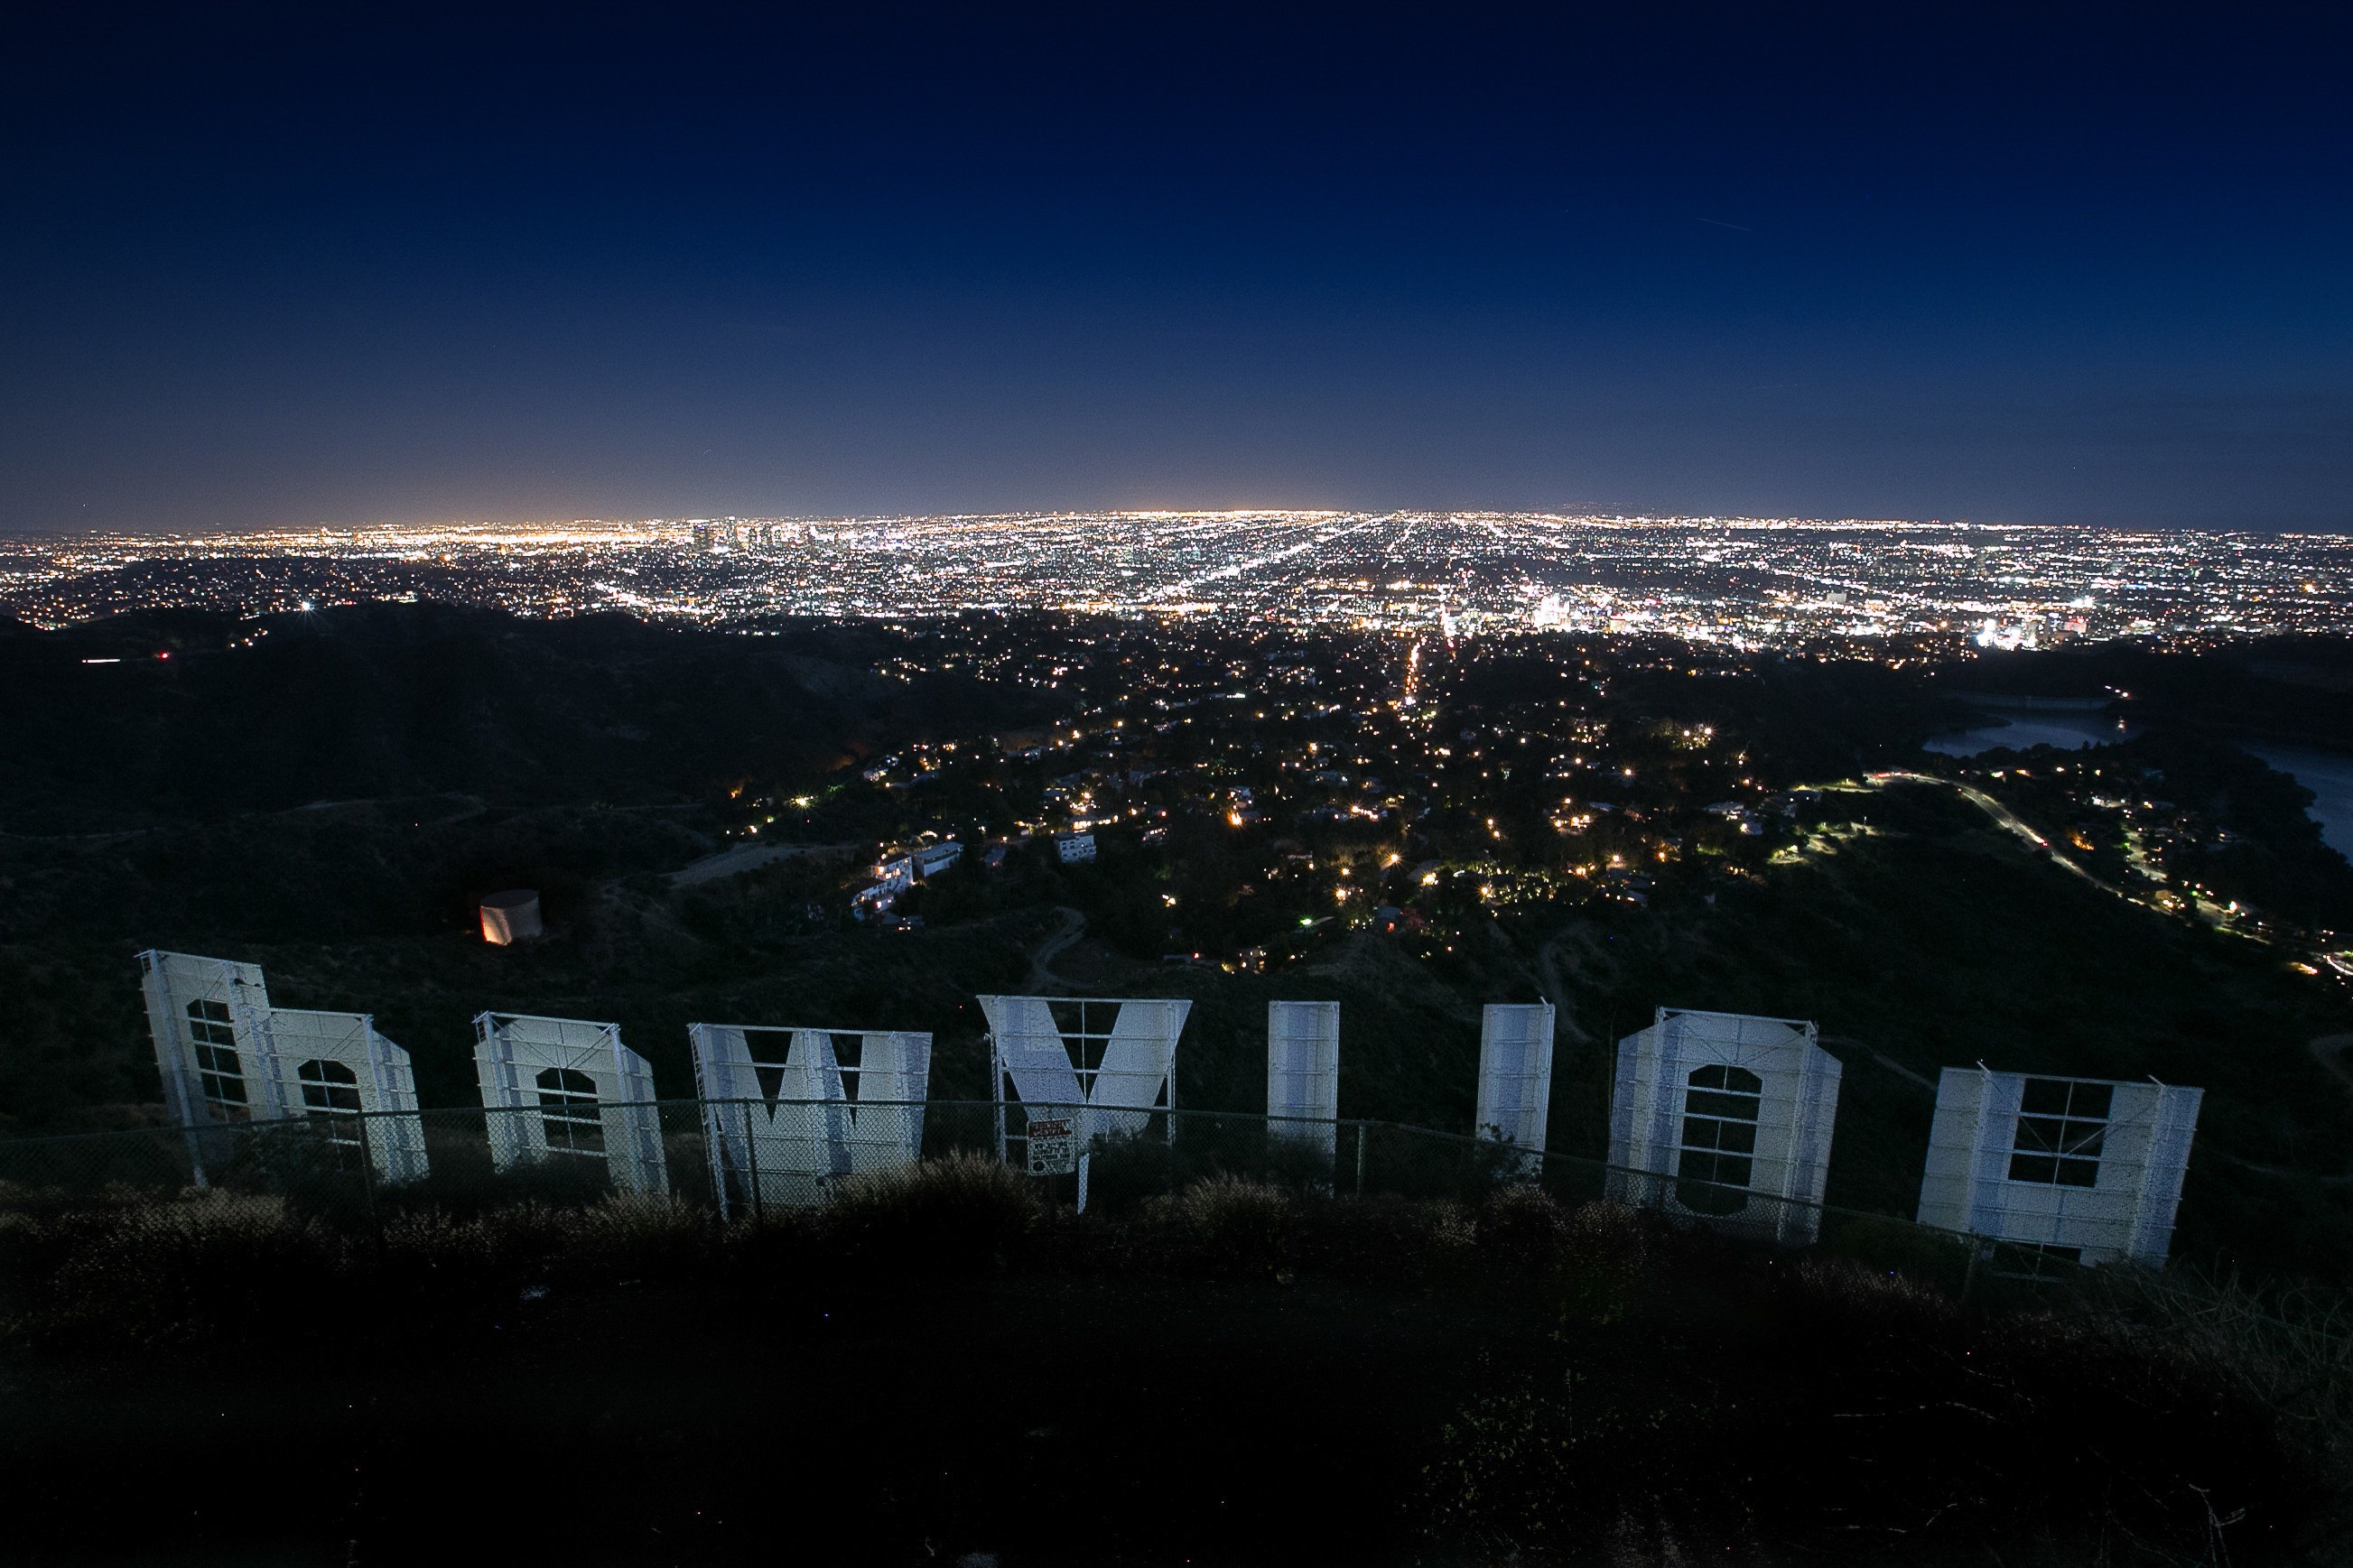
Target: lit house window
column 331, row 1095
column 1719, row 1143
column 2060, row 1128
column 569, row 1114
column 218, row 1074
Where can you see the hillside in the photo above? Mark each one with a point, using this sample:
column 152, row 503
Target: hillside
column 203, row 716
column 2292, row 690
column 1929, row 941
column 1918, row 934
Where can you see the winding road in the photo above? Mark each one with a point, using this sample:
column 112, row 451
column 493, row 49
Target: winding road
column 2005, row 818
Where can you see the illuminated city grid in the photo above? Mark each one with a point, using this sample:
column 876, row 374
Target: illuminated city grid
column 1745, row 582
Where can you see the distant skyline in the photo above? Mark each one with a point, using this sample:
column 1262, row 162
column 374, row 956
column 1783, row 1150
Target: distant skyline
column 1890, row 588
column 273, row 267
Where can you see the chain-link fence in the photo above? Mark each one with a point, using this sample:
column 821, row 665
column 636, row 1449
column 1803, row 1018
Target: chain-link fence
column 743, row 1159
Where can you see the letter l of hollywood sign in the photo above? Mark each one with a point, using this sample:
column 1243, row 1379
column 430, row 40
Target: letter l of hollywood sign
column 1302, row 1074
column 1515, row 1075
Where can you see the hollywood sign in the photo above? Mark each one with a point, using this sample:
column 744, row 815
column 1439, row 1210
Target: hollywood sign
column 1718, row 1118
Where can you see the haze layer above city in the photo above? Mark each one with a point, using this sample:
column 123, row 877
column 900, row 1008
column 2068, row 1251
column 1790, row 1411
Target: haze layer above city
column 1749, row 583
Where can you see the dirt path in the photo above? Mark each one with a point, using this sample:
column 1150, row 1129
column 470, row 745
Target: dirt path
column 749, row 857
column 2328, row 1050
column 1564, row 1011
column 1848, row 1043
column 1041, row 963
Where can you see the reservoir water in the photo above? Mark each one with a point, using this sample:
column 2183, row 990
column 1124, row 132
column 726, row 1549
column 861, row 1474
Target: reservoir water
column 2069, row 729
column 2327, row 775
column 2329, row 778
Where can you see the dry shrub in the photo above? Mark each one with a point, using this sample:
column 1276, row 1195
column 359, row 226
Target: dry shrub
column 432, row 1256
column 2290, row 1351
column 1390, row 1238
column 1605, row 1252
column 1605, row 1226
column 1713, row 1387
column 438, row 1250
column 174, row 1272
column 1520, row 1223
column 1231, row 1225
column 212, row 1264
column 1864, row 1294
column 960, row 1212
column 623, row 1236
column 631, row 1235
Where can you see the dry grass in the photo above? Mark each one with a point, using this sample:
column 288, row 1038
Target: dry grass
column 2290, row 1351
column 955, row 1213
column 157, row 1273
column 213, row 1268
column 1678, row 1348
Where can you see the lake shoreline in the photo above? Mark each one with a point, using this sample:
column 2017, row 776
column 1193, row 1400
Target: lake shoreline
column 2042, row 722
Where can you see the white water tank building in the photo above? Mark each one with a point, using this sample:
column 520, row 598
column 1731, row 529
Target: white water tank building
column 2087, row 1169
column 510, row 917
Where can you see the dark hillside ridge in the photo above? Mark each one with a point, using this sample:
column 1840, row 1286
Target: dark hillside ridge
column 1798, row 718
column 2288, row 690
column 206, row 715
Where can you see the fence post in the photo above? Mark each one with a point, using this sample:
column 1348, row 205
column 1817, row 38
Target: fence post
column 996, row 1098
column 752, row 1161
column 367, row 1182
column 195, row 1140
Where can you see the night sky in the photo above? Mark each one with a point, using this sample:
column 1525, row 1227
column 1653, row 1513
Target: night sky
column 266, row 267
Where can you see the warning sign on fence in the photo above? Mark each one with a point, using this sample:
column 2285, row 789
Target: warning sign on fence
column 1053, row 1145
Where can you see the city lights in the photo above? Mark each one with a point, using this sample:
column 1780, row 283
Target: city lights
column 1744, row 584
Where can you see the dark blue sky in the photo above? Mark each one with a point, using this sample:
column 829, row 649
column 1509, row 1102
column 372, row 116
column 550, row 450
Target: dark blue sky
column 283, row 265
